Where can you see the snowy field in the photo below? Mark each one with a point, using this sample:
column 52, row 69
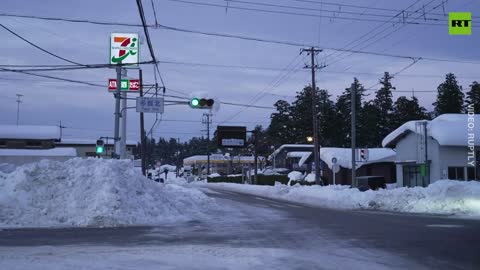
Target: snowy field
column 92, row 192
column 445, row 197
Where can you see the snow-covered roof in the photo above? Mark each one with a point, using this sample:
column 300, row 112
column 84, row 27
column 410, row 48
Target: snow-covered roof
column 285, row 146
column 30, row 132
column 54, row 152
column 446, row 129
column 203, row 158
column 89, row 142
column 344, row 156
column 298, row 154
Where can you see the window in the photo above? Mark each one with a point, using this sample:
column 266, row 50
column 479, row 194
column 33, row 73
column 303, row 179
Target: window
column 456, row 173
column 90, row 154
column 3, row 144
column 34, row 144
column 470, row 173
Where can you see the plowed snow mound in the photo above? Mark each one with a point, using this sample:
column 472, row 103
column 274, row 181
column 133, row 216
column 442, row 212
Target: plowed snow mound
column 93, row 192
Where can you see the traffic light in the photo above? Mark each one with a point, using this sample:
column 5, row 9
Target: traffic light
column 363, row 154
column 201, row 103
column 100, row 148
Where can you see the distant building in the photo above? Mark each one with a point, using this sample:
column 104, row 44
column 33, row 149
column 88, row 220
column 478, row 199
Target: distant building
column 25, row 144
column 380, row 163
column 288, row 155
column 443, row 143
column 222, row 164
column 87, row 148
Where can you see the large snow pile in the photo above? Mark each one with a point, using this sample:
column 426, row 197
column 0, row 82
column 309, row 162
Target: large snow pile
column 92, row 192
column 442, row 197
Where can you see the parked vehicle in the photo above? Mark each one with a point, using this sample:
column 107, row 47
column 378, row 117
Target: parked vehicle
column 370, row 182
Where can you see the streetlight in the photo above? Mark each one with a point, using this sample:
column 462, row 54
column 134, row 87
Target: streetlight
column 309, row 139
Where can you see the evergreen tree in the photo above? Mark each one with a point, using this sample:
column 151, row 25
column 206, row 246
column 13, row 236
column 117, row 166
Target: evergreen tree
column 473, row 97
column 280, row 130
column 326, row 119
column 407, row 110
column 384, row 103
column 302, row 114
column 368, row 119
column 449, row 97
column 343, row 111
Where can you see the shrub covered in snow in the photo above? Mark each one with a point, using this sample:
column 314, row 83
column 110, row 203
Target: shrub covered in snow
column 92, row 192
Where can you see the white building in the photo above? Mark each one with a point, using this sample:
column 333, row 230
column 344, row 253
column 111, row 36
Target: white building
column 25, row 144
column 446, row 143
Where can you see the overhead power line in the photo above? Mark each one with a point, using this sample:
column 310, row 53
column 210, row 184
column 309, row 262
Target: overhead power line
column 38, row 47
column 53, row 77
column 295, row 13
column 249, row 38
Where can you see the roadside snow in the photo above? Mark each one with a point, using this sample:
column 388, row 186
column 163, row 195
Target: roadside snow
column 295, row 176
column 92, row 192
column 442, row 197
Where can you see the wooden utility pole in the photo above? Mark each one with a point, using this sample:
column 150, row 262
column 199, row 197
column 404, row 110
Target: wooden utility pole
column 316, row 150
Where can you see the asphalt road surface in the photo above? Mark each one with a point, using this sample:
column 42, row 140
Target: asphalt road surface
column 251, row 232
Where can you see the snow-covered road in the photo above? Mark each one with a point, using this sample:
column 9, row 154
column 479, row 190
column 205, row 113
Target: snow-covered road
column 251, row 232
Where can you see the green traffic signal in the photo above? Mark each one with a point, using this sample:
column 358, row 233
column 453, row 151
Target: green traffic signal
column 194, row 102
column 100, row 149
column 201, row 103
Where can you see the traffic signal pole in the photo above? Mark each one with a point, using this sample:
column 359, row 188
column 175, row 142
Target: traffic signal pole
column 142, row 128
column 116, row 136
column 353, row 133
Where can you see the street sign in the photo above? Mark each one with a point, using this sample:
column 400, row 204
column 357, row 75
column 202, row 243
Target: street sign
column 231, row 136
column 335, row 168
column 334, row 160
column 125, row 86
column 150, row 105
column 124, row 48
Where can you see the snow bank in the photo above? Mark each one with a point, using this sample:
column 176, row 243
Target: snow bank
column 170, row 168
column 295, row 176
column 442, row 197
column 92, row 192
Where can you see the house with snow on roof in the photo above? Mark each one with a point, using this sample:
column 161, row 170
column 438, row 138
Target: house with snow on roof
column 380, row 162
column 438, row 149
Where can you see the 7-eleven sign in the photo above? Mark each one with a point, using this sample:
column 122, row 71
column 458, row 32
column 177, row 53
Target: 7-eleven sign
column 125, row 85
column 124, row 48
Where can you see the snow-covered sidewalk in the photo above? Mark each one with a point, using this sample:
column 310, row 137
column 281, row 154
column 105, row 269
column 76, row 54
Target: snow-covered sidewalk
column 443, row 197
column 93, row 192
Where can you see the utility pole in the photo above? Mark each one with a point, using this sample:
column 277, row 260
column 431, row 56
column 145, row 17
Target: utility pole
column 116, row 136
column 353, row 92
column 142, row 128
column 316, row 149
column 19, row 96
column 255, row 149
column 206, row 120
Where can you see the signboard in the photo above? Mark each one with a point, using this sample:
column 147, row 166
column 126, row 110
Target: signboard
column 150, row 105
column 124, row 48
column 231, row 136
column 126, row 85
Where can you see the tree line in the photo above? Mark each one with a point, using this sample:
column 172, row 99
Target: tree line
column 292, row 121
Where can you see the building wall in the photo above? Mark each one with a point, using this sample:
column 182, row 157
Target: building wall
column 21, row 160
column 344, row 176
column 440, row 157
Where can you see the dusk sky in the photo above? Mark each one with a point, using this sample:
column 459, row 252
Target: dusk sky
column 87, row 111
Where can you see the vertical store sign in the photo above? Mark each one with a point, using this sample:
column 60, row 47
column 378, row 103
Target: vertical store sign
column 124, row 48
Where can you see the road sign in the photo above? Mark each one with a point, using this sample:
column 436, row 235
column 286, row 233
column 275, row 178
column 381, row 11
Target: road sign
column 150, row 105
column 125, row 86
column 124, row 48
column 334, row 160
column 335, row 168
column 231, row 136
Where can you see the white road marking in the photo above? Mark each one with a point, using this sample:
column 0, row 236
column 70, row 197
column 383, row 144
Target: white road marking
column 445, row 225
